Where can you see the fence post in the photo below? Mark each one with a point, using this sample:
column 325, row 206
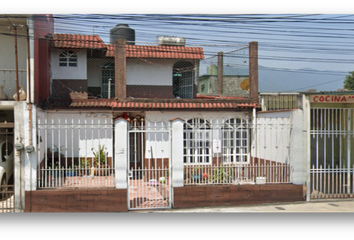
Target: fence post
column 177, row 152
column 121, row 153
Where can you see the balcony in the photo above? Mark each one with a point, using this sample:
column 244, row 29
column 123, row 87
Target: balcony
column 225, row 74
column 8, row 84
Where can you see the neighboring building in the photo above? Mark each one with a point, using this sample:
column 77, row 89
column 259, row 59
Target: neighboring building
column 326, row 163
column 20, row 57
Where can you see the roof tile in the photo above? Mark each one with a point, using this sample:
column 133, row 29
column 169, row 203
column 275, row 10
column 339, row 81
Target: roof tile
column 170, row 52
column 78, row 41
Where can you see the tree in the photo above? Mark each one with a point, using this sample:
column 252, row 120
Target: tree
column 349, row 81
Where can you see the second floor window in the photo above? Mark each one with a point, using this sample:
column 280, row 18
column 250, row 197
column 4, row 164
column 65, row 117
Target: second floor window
column 67, row 59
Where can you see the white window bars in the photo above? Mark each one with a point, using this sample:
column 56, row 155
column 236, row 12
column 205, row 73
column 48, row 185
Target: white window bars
column 234, row 134
column 197, row 141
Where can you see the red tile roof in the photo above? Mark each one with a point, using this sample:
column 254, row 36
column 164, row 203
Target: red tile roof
column 78, row 41
column 132, row 51
column 162, row 105
column 172, row 52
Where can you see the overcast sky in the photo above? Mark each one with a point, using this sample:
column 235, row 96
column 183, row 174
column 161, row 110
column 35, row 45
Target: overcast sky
column 321, row 42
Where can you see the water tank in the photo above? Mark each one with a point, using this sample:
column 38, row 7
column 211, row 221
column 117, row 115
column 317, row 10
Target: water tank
column 122, row 31
column 171, row 41
column 212, row 70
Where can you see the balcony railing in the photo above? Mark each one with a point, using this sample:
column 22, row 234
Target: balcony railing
column 8, row 83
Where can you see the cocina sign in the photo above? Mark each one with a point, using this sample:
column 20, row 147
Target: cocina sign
column 332, row 98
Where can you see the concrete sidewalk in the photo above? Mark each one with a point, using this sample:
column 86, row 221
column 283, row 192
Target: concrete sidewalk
column 314, row 206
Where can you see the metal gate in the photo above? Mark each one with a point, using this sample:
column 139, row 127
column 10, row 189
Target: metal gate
column 149, row 144
column 332, row 163
column 7, row 199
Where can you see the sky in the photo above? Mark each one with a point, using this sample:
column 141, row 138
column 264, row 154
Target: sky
column 317, row 44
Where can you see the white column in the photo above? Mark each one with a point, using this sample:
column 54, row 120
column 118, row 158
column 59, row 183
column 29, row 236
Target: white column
column 121, row 153
column 19, row 157
column 177, row 153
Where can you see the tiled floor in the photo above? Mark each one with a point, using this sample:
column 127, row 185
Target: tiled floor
column 148, row 194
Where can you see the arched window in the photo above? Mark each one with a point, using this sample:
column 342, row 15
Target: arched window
column 183, row 79
column 235, row 141
column 196, row 141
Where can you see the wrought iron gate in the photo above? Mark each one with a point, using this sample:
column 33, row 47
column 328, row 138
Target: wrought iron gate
column 149, row 164
column 332, row 160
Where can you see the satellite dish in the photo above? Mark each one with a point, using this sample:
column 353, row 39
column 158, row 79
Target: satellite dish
column 245, row 84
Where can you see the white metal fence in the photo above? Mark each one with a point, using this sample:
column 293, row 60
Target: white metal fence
column 75, row 151
column 237, row 150
column 332, row 141
column 332, row 182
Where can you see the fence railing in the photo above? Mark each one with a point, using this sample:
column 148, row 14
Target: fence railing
column 237, row 174
column 76, row 177
column 8, row 83
column 75, row 151
column 7, row 199
column 331, row 181
column 280, row 101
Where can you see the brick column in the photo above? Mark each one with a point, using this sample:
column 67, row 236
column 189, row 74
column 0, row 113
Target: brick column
column 120, row 67
column 253, row 71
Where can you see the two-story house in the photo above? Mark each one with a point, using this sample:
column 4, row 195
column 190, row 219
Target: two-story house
column 135, row 125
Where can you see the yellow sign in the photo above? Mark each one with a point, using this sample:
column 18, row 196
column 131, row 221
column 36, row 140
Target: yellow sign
column 245, row 84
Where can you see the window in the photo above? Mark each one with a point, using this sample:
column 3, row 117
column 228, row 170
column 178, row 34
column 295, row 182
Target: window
column 235, row 133
column 107, row 83
column 67, row 58
column 183, row 79
column 196, row 143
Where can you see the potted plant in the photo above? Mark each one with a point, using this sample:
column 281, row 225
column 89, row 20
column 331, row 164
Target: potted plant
column 71, row 172
column 100, row 158
column 85, row 166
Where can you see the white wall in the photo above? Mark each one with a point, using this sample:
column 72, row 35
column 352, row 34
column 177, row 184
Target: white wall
column 7, row 49
column 58, row 72
column 275, row 141
column 151, row 72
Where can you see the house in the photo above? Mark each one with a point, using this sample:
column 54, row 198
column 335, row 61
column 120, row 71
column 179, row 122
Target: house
column 123, row 126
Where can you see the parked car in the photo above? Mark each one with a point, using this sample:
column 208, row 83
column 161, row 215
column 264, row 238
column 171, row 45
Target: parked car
column 7, row 159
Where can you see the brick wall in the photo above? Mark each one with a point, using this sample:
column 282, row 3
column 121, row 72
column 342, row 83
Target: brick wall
column 100, row 200
column 115, row 200
column 204, row 196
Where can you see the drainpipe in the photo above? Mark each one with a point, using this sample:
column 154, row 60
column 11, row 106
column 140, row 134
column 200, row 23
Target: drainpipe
column 29, row 89
column 18, row 95
column 254, row 134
